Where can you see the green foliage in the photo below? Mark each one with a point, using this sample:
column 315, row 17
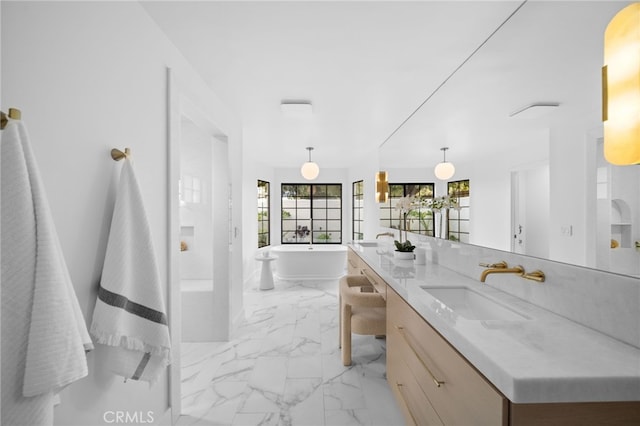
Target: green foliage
column 404, row 247
column 323, row 237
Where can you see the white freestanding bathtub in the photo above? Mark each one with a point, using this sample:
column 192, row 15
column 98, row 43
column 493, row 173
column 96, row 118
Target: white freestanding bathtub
column 306, row 261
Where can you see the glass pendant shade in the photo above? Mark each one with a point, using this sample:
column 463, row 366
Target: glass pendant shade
column 621, row 87
column 382, row 187
column 444, row 170
column 310, row 170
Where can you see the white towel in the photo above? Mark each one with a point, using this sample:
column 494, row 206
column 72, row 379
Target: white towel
column 44, row 336
column 130, row 311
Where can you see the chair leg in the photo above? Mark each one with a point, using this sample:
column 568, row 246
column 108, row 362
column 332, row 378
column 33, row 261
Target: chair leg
column 339, row 321
column 346, row 335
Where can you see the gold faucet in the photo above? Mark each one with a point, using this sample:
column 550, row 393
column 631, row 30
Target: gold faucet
column 388, row 234
column 536, row 275
column 500, row 268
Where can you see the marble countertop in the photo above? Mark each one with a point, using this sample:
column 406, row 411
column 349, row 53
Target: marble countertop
column 542, row 358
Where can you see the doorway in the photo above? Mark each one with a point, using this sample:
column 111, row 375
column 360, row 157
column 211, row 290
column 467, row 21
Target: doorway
column 530, row 216
column 200, row 237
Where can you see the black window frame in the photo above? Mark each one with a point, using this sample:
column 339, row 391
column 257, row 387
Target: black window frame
column 261, row 219
column 456, row 219
column 301, row 231
column 420, row 215
column 357, row 212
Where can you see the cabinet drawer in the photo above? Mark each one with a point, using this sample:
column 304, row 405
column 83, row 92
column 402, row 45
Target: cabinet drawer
column 412, row 401
column 378, row 283
column 354, row 263
column 458, row 393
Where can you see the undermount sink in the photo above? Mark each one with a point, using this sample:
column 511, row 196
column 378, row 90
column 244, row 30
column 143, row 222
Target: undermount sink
column 368, row 243
column 472, row 305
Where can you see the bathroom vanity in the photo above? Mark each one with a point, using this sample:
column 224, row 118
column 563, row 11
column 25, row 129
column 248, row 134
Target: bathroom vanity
column 463, row 353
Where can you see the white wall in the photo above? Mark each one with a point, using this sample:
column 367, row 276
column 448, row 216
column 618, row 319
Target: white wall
column 89, row 77
column 568, row 174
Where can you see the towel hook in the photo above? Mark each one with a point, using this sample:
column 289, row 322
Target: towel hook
column 14, row 114
column 118, row 155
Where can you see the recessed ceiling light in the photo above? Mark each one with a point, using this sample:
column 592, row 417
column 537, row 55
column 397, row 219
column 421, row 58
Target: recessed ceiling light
column 535, row 110
column 296, row 109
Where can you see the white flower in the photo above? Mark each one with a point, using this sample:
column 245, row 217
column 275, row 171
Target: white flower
column 405, row 204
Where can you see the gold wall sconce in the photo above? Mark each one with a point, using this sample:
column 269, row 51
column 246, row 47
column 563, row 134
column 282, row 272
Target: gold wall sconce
column 382, row 187
column 621, row 87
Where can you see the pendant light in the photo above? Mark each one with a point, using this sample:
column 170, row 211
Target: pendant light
column 444, row 170
column 310, row 170
column 621, row 88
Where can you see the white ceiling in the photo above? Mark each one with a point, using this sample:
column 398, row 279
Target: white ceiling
column 367, row 66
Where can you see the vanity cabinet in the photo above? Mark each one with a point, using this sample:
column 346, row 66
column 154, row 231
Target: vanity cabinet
column 432, row 382
column 379, row 284
column 357, row 266
column 354, row 263
column 435, row 385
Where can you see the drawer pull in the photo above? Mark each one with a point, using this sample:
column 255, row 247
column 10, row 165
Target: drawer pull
column 437, row 382
column 401, row 390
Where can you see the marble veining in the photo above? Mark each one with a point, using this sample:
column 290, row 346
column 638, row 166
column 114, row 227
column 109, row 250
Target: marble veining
column 283, row 367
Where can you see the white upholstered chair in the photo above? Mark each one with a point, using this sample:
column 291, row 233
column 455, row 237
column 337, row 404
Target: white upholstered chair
column 362, row 311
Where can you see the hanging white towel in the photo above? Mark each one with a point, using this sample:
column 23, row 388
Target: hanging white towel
column 130, row 312
column 44, row 336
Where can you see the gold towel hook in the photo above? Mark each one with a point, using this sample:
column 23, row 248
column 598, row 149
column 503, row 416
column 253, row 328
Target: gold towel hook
column 118, row 155
column 14, row 114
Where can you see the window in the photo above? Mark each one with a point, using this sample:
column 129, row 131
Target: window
column 358, row 210
column 459, row 219
column 190, row 190
column 317, row 206
column 264, row 238
column 419, row 219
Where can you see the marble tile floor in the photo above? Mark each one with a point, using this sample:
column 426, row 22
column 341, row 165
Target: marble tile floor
column 283, row 367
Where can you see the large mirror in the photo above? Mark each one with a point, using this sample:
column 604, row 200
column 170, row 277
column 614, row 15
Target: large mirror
column 538, row 182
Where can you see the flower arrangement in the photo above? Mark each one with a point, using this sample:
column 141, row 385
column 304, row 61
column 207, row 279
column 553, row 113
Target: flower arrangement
column 404, row 206
column 441, row 205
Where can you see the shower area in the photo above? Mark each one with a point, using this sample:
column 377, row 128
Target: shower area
column 203, row 221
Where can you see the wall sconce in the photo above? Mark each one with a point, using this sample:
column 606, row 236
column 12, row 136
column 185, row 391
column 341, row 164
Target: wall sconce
column 310, row 170
column 382, row 187
column 621, row 87
column 444, row 170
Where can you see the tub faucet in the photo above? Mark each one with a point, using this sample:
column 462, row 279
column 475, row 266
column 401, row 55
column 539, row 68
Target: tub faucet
column 500, row 268
column 388, row 234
